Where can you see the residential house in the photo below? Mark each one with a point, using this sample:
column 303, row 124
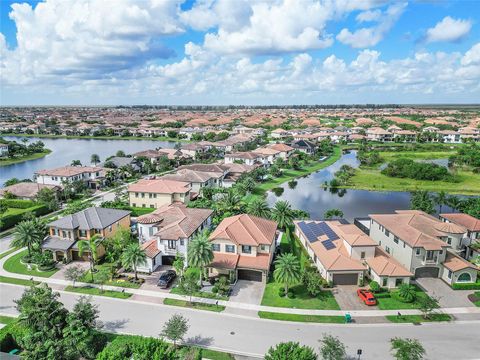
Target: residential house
column 3, row 150
column 217, row 171
column 28, row 190
column 345, row 255
column 236, row 170
column 197, row 179
column 471, row 239
column 284, row 150
column 122, row 161
column 379, row 134
column 93, row 176
column 279, row 134
column 269, row 154
column 304, row 146
column 423, row 244
column 158, row 192
column 166, row 232
column 65, row 232
column 449, row 136
column 247, row 157
column 243, row 248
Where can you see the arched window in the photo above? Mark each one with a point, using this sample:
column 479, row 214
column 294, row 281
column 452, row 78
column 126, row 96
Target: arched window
column 465, row 277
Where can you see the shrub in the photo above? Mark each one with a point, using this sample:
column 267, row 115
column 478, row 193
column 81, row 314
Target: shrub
column 137, row 347
column 10, row 336
column 467, row 286
column 291, row 295
column 374, row 286
column 281, row 292
column 406, row 293
column 214, row 290
column 18, row 204
column 8, row 221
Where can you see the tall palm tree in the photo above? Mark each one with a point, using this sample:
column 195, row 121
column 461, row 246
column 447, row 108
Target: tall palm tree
column 282, row 213
column 332, row 213
column 27, row 234
column 287, row 270
column 90, row 246
column 441, row 199
column 95, row 159
column 200, row 253
column 258, row 207
column 454, row 202
column 133, row 256
column 230, row 201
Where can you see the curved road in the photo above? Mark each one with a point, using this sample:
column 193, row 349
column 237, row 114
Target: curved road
column 250, row 336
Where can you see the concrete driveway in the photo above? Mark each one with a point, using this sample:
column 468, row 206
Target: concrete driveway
column 449, row 298
column 347, row 299
column 250, row 292
column 151, row 280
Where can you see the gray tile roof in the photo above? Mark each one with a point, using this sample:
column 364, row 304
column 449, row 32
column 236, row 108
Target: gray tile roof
column 91, row 218
column 57, row 243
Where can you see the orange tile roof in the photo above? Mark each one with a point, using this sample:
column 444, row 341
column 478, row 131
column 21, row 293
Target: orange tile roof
column 160, row 186
column 224, row 261
column 465, row 220
column 151, row 248
column 259, row 262
column 385, row 265
column 456, row 263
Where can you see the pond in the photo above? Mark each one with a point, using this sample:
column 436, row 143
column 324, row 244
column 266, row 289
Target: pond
column 309, row 194
column 66, row 150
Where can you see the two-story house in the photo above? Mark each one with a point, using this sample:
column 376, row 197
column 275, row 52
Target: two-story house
column 471, row 239
column 197, row 179
column 167, row 231
column 65, row 232
column 284, row 150
column 423, row 244
column 243, row 247
column 246, row 157
column 345, row 255
column 91, row 175
column 158, row 192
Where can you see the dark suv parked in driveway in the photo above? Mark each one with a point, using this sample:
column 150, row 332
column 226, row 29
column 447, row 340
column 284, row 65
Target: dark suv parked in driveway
column 166, row 279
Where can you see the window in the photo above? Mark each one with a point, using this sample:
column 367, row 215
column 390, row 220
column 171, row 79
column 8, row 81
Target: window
column 182, row 242
column 230, row 248
column 215, row 247
column 465, row 277
column 362, row 255
column 172, row 244
column 387, row 233
column 387, row 249
column 136, row 195
column 64, row 233
column 384, row 281
column 417, row 251
column 83, row 233
column 134, row 205
column 246, row 249
column 110, row 228
column 449, row 274
column 398, row 282
column 152, row 206
column 395, row 240
column 449, row 241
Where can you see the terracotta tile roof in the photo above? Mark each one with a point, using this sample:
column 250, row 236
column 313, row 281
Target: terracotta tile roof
column 68, row 171
column 224, row 261
column 27, row 189
column 416, row 228
column 385, row 265
column 160, row 186
column 191, row 176
column 259, row 262
column 244, row 155
column 151, row 248
column 246, row 229
column 456, row 263
column 176, row 221
column 281, row 147
column 465, row 220
column 266, row 151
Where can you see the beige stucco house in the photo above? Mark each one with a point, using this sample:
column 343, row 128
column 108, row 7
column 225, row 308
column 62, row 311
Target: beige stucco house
column 158, row 192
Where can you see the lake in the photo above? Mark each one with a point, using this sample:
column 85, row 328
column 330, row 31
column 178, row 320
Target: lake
column 309, row 195
column 66, row 150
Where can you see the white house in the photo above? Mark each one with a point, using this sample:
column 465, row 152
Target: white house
column 93, row 176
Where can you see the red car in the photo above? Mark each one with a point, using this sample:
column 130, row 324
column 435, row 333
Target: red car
column 367, row 297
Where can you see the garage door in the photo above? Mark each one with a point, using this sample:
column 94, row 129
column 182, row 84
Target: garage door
column 168, row 260
column 251, row 275
column 76, row 256
column 345, row 279
column 427, row 272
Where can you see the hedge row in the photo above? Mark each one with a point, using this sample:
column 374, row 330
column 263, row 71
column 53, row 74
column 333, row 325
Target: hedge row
column 18, row 204
column 8, row 221
column 467, row 286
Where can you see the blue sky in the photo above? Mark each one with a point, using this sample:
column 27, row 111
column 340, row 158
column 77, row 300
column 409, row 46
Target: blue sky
column 239, row 52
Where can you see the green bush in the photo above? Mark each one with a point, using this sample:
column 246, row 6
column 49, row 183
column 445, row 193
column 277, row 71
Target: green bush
column 374, row 286
column 467, row 286
column 8, row 221
column 290, row 294
column 10, row 336
column 281, row 292
column 138, row 348
column 18, row 204
column 406, row 293
column 383, row 295
column 214, row 289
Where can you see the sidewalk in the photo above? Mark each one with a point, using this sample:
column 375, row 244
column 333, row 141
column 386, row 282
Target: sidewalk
column 145, row 294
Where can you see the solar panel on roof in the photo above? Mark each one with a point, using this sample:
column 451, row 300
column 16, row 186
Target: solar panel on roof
column 328, row 244
column 307, row 231
column 343, row 221
column 328, row 231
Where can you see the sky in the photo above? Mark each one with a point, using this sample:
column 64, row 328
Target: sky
column 234, row 52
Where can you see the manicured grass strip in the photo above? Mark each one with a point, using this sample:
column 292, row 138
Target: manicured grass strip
column 7, row 319
column 475, row 298
column 194, row 305
column 5, row 162
column 15, row 281
column 330, row 319
column 14, row 265
column 87, row 278
column 392, row 302
column 178, row 291
column 418, row 318
column 8, row 252
column 98, row 292
column 216, row 355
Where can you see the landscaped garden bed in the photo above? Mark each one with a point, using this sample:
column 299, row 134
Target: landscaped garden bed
column 98, row 292
column 20, row 263
column 390, row 300
column 16, row 210
column 117, row 280
column 475, row 298
column 202, row 294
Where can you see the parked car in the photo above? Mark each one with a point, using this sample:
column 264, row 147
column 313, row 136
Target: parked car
column 367, row 297
column 166, row 279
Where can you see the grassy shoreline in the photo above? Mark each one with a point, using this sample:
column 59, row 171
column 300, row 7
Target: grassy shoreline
column 6, row 162
column 105, row 137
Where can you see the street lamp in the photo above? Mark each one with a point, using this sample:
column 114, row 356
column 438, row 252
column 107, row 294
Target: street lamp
column 359, row 353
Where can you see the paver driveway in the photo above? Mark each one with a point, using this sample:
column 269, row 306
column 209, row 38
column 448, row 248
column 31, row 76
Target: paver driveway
column 347, row 299
column 449, row 298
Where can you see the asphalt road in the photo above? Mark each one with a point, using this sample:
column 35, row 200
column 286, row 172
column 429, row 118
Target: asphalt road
column 254, row 336
column 5, row 243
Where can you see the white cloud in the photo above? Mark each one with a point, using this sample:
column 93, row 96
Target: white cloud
column 369, row 15
column 449, row 29
column 472, row 56
column 367, row 37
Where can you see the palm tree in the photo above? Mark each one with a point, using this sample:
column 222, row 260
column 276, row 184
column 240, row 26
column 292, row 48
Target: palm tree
column 258, row 207
column 133, row 256
column 95, row 159
column 332, row 213
column 199, row 253
column 287, row 270
column 27, row 234
column 441, row 199
column 76, row 163
column 90, row 246
column 454, row 202
column 282, row 213
column 230, row 201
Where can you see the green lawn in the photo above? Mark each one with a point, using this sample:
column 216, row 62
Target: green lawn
column 9, row 161
column 8, row 252
column 98, row 292
column 418, row 318
column 14, row 265
column 194, row 305
column 216, row 355
column 11, row 280
column 416, row 155
column 392, row 303
column 87, row 278
column 303, row 300
column 7, row 319
column 477, row 296
column 302, row 318
column 177, row 290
